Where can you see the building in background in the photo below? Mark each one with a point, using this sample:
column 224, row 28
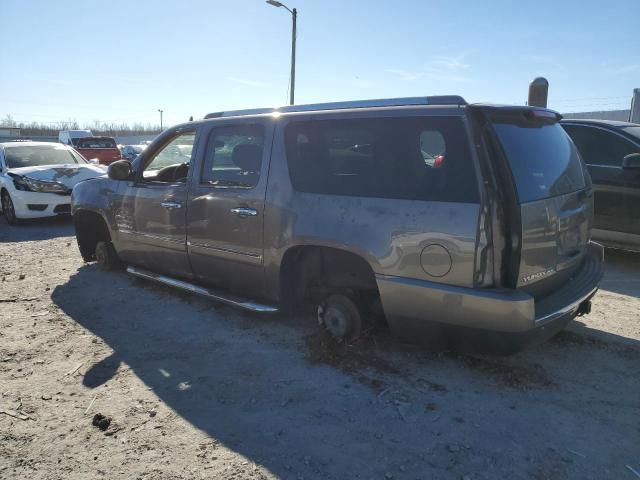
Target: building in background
column 10, row 132
column 629, row 115
column 620, row 115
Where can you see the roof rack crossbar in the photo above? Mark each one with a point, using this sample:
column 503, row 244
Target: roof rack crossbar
column 383, row 102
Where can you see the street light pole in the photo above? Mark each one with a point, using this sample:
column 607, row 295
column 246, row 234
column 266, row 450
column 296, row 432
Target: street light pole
column 160, row 118
column 294, row 17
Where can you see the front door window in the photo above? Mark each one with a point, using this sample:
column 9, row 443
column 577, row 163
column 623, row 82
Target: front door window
column 171, row 164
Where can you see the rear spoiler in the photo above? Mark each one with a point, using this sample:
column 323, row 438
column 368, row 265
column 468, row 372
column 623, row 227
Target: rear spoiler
column 527, row 111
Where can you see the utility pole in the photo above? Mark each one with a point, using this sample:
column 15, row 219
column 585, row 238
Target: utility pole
column 634, row 113
column 294, row 18
column 294, row 14
column 160, row 118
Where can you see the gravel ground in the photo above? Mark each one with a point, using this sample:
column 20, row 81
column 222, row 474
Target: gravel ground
column 198, row 390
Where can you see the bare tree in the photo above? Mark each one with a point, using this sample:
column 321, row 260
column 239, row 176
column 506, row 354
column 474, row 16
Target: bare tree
column 98, row 127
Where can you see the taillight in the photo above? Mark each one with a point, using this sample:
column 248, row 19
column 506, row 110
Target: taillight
column 438, row 161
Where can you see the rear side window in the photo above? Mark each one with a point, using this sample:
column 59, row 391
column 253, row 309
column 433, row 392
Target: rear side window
column 544, row 162
column 234, row 156
column 415, row 158
column 599, row 147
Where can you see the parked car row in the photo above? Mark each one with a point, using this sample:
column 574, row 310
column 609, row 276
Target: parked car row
column 611, row 151
column 36, row 178
column 103, row 149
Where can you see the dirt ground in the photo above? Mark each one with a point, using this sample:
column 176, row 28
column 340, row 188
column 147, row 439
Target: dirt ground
column 198, row 390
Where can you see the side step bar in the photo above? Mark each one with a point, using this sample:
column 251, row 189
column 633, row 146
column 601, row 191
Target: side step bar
column 189, row 287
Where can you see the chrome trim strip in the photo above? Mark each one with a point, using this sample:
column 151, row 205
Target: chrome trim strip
column 223, row 250
column 133, row 233
column 381, row 102
column 189, row 287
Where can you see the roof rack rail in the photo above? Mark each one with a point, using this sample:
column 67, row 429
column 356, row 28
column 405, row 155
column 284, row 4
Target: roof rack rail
column 383, row 102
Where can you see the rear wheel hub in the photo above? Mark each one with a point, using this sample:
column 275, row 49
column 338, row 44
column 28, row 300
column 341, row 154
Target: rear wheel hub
column 340, row 316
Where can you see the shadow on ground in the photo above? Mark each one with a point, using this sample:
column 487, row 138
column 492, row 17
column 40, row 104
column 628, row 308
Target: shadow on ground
column 622, row 272
column 36, row 229
column 245, row 381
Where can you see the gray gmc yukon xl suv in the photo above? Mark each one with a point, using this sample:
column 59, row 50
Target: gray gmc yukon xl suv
column 466, row 227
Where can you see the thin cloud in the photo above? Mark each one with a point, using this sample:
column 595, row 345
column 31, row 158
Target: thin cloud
column 448, row 63
column 244, row 81
column 627, row 68
column 443, row 67
column 353, row 82
column 545, row 61
column 405, row 75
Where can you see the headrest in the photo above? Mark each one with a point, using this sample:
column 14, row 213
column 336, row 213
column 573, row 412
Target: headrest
column 247, row 156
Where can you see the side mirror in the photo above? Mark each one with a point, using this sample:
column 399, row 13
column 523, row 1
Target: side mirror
column 631, row 161
column 120, row 170
column 94, row 161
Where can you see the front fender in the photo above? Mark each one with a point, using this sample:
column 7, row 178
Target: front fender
column 101, row 196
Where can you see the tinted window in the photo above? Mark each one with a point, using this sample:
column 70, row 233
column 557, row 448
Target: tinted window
column 40, row 155
column 95, row 143
column 234, row 156
column 543, row 160
column 635, row 131
column 599, row 147
column 417, row 158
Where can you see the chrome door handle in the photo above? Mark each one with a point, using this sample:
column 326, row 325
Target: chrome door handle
column 244, row 211
column 171, row 205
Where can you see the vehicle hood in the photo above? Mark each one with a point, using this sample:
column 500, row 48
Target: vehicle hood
column 68, row 175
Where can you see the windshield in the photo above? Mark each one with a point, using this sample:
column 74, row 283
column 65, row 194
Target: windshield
column 39, row 155
column 543, row 160
column 96, row 143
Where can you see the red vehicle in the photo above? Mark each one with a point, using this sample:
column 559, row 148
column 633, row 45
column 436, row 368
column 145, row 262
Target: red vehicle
column 102, row 148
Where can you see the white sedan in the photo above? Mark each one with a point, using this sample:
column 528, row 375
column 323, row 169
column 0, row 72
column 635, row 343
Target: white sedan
column 36, row 178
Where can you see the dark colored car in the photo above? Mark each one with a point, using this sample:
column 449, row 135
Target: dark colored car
column 104, row 149
column 464, row 226
column 611, row 151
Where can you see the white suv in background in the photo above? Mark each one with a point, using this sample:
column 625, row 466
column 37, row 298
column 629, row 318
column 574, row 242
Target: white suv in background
column 70, row 137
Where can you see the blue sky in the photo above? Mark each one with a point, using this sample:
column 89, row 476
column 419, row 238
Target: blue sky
column 122, row 60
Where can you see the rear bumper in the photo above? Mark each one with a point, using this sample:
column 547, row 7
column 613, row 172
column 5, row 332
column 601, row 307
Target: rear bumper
column 503, row 321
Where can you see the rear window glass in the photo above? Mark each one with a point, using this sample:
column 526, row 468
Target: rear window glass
column 416, row 158
column 543, row 160
column 95, row 143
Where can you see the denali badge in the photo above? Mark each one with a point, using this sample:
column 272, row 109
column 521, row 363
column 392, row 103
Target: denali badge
column 538, row 275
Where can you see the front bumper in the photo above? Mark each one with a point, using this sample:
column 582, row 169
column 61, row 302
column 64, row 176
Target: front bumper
column 55, row 204
column 484, row 320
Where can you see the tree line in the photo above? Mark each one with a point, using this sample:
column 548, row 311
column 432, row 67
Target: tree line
column 97, row 127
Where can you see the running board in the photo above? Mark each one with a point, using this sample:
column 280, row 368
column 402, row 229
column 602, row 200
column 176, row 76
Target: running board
column 191, row 288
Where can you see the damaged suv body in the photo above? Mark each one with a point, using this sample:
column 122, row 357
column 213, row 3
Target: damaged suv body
column 464, row 226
